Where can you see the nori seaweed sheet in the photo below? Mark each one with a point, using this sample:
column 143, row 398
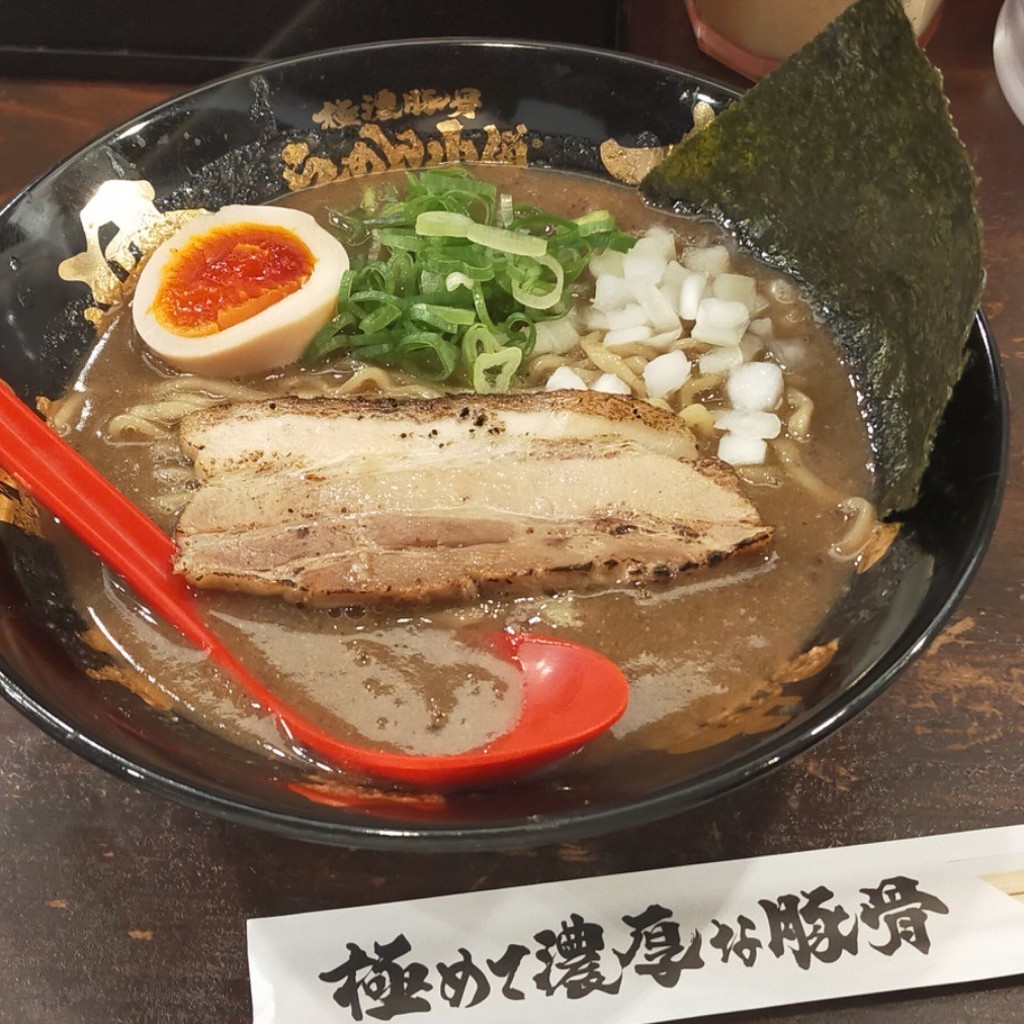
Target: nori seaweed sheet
column 843, row 168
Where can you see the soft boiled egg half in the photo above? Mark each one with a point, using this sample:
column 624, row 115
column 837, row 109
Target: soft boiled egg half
column 239, row 291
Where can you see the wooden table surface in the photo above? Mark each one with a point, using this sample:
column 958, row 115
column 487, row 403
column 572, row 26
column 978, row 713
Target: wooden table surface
column 116, row 906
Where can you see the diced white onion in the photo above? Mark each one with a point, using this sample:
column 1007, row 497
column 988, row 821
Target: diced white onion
column 458, row 280
column 643, row 265
column 761, row 326
column 672, row 283
column 710, row 259
column 749, row 423
column 627, row 336
column 750, row 347
column 565, row 379
column 691, row 294
column 742, row 451
column 611, row 385
column 721, row 360
column 608, row 263
column 594, row 319
column 736, row 288
column 506, row 209
column 611, row 292
column 665, row 338
column 657, row 242
column 633, row 315
column 675, row 273
column 671, row 293
column 720, row 322
column 660, row 313
column 666, row 374
column 756, row 386
column 558, row 336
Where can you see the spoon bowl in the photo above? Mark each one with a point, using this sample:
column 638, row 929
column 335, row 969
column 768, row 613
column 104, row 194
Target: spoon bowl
column 570, row 693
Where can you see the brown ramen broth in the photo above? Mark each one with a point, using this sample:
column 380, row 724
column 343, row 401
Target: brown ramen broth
column 700, row 653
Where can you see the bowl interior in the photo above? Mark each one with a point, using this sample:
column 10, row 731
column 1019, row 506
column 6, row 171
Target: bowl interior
column 252, row 137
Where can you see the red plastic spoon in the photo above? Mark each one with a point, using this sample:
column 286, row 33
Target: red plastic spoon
column 570, row 693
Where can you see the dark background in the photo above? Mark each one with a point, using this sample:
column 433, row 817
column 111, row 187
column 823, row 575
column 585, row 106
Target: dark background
column 194, row 40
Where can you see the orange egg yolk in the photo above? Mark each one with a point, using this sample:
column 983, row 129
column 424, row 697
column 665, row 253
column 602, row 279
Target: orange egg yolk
column 229, row 274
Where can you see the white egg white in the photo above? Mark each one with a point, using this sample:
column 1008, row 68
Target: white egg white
column 271, row 338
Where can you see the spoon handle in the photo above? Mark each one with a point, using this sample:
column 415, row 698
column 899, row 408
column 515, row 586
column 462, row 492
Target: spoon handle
column 50, row 470
column 113, row 528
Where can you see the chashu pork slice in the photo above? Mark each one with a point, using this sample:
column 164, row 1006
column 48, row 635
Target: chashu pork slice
column 356, row 501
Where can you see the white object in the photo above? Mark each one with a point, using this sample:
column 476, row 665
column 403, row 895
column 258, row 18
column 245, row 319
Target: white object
column 627, row 336
column 736, row 288
column 665, row 338
column 721, row 360
column 720, row 322
column 755, row 386
column 657, row 242
column 611, row 385
column 750, row 423
column 645, row 264
column 926, row 912
column 711, row 260
column 565, row 379
column 633, row 315
column 660, row 313
column 607, row 262
column 691, row 293
column 611, row 292
column 1008, row 54
column 558, row 336
column 742, row 451
column 666, row 374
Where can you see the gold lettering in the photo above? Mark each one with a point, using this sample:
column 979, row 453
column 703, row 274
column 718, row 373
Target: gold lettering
column 339, row 114
column 465, row 102
column 378, row 149
column 456, row 148
column 424, row 102
column 361, row 161
column 381, row 106
column 435, row 153
column 303, row 170
column 508, row 147
column 405, row 151
column 385, row 105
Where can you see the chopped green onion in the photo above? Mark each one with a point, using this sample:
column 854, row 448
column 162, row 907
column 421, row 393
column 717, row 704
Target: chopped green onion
column 407, row 240
column 595, row 222
column 381, row 317
column 477, row 341
column 542, row 300
column 437, row 223
column 506, row 210
column 454, row 278
column 444, row 317
column 427, row 355
column 507, row 241
column 493, row 371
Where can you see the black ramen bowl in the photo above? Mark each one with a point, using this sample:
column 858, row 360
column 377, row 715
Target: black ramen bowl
column 250, row 138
